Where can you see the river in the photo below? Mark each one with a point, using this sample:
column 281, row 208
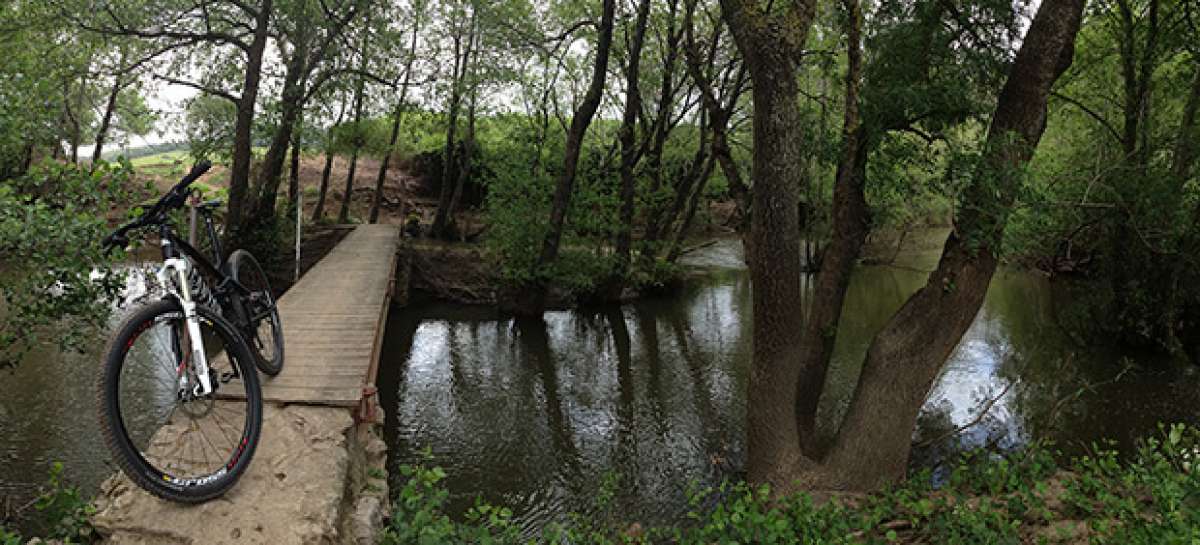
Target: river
column 649, row 397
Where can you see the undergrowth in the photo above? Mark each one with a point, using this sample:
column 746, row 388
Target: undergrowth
column 1153, row 498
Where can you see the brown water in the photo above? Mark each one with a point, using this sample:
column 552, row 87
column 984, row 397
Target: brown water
column 650, row 397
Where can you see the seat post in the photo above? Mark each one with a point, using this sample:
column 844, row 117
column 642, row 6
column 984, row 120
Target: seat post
column 193, row 221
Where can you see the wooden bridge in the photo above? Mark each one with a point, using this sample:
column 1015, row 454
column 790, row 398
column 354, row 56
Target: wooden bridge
column 333, row 322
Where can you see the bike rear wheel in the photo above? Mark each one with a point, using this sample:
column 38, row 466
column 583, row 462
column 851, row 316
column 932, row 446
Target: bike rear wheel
column 173, row 443
column 263, row 330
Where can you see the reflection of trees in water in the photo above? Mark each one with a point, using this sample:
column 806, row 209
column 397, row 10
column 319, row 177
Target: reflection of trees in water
column 535, row 349
column 700, row 370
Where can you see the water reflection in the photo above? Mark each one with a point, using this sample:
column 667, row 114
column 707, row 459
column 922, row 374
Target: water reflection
column 48, row 414
column 537, row 414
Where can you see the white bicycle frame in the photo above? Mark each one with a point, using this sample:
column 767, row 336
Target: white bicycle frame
column 180, row 267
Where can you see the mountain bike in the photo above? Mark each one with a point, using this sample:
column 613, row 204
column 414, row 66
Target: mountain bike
column 179, row 398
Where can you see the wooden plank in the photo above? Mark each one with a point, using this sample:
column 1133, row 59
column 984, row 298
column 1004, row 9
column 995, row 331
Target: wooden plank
column 333, row 321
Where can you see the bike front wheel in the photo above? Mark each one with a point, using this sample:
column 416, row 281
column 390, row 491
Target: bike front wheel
column 168, row 438
column 263, row 329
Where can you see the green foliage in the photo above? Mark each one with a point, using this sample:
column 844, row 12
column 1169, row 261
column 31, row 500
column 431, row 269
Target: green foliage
column 1019, row 498
column 65, row 509
column 418, row 515
column 52, row 222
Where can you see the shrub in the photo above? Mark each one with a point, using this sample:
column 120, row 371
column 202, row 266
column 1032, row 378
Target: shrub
column 1020, row 498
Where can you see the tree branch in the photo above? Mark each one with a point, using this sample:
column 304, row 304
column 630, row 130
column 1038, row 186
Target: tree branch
column 1091, row 113
column 200, row 87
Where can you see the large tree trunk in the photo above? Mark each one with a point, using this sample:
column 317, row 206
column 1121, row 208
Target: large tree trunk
column 771, row 48
column 873, row 445
column 850, row 223
column 239, row 174
column 629, row 152
column 291, row 104
column 533, row 296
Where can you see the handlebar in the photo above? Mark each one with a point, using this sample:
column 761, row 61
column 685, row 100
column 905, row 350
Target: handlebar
column 175, row 198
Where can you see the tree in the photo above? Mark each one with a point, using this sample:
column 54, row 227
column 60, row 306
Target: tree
column 418, row 17
column 312, row 32
column 872, row 445
column 532, row 299
column 465, row 35
column 234, row 31
column 629, row 148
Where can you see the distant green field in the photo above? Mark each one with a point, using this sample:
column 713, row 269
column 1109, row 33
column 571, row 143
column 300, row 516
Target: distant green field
column 163, row 164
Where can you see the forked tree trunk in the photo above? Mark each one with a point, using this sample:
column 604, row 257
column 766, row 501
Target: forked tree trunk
column 873, row 445
column 450, row 160
column 291, row 104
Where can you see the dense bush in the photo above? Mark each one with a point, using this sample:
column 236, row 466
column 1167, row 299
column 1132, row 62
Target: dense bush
column 1023, row 498
column 52, row 221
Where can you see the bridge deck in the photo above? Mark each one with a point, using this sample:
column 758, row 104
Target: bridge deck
column 333, row 321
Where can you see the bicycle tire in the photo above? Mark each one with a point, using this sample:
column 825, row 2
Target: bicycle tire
column 122, row 360
column 245, row 269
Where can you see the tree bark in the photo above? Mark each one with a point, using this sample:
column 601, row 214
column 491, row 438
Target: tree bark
column 720, row 108
column 463, row 170
column 771, row 47
column 629, row 152
column 291, row 104
column 319, row 209
column 239, row 175
column 534, row 296
column 110, row 108
column 396, row 115
column 450, row 162
column 675, row 249
column 873, row 445
column 348, row 195
column 850, row 225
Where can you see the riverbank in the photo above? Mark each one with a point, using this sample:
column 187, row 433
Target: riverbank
column 1022, row 498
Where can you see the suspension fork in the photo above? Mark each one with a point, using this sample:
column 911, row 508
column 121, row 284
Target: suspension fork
column 179, row 268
